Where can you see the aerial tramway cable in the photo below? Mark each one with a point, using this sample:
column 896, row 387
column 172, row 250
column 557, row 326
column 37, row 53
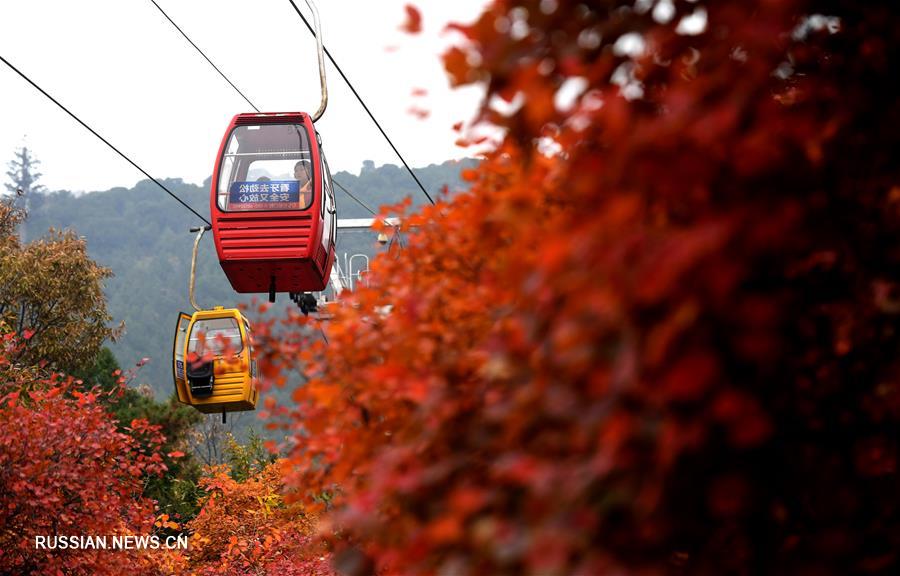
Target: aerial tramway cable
column 252, row 105
column 102, row 139
column 366, row 108
column 191, row 42
column 195, row 381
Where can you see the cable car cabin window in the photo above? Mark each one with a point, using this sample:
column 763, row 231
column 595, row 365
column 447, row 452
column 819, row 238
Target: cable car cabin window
column 326, row 185
column 247, row 331
column 329, row 184
column 328, row 191
column 266, row 167
column 215, row 336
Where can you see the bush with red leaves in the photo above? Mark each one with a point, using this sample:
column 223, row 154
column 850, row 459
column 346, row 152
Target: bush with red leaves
column 662, row 332
column 65, row 471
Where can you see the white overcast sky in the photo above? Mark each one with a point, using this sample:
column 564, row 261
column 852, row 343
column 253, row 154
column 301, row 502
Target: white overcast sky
column 123, row 68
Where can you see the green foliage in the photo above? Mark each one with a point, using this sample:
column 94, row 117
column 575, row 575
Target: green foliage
column 102, row 372
column 248, row 459
column 142, row 235
column 177, row 492
column 51, row 295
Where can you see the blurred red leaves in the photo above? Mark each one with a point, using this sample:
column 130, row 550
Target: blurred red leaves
column 413, row 23
column 418, row 113
column 659, row 335
column 457, row 65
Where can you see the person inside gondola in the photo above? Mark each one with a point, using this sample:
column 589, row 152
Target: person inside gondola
column 302, row 175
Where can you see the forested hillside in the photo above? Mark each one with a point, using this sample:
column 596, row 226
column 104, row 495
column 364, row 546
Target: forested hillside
column 142, row 235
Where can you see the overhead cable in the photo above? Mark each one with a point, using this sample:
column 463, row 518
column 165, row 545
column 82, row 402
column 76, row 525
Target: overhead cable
column 366, row 108
column 104, row 140
column 252, row 105
column 358, row 201
column 222, row 74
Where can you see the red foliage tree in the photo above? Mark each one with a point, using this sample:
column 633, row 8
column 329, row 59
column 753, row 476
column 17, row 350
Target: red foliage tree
column 661, row 333
column 65, row 471
column 246, row 528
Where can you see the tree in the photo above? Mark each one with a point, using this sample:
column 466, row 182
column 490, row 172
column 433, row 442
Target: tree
column 246, row 527
column 10, row 218
column 52, row 293
column 66, row 471
column 22, row 185
column 661, row 333
column 177, row 492
column 247, row 460
column 23, row 174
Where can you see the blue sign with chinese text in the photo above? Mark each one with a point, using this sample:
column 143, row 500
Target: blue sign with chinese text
column 268, row 195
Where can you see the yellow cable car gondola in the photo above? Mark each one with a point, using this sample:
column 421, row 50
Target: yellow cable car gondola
column 212, row 356
column 215, row 370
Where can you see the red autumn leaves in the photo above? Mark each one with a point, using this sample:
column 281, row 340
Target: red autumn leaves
column 614, row 355
column 65, row 470
column 657, row 336
column 413, row 23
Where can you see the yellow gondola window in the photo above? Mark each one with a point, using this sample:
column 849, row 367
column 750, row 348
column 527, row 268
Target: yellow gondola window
column 215, row 336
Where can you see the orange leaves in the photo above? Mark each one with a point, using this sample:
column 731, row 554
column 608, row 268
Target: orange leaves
column 413, row 24
column 642, row 312
column 468, row 500
column 539, row 108
column 456, row 61
column 324, row 394
column 670, row 260
column 164, row 522
column 444, row 530
column 247, row 524
column 84, row 399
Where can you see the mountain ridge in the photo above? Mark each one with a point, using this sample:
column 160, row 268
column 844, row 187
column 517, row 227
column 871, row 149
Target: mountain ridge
column 143, row 236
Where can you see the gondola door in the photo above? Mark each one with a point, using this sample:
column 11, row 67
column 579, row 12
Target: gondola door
column 329, row 223
column 181, row 330
column 329, row 214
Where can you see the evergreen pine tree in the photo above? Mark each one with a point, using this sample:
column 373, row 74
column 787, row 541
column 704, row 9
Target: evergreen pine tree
column 23, row 177
column 23, row 174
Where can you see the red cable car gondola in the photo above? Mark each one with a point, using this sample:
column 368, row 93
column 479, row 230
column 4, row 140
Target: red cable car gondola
column 272, row 205
column 272, row 202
